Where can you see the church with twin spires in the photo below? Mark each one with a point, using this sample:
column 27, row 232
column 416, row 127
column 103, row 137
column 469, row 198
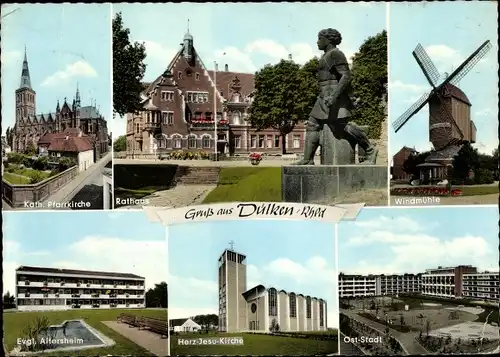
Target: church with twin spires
column 69, row 118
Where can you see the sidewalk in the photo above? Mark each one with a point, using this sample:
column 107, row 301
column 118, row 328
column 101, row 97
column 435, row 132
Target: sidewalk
column 146, row 339
column 67, row 192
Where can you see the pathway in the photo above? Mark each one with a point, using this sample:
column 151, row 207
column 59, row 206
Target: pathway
column 146, row 339
column 407, row 340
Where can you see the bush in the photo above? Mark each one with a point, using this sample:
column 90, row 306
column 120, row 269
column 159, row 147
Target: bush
column 33, row 331
column 17, row 158
column 41, row 163
column 36, row 177
column 484, row 177
column 65, row 163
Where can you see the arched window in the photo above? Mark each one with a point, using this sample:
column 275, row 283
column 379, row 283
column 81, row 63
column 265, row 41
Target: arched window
column 177, row 142
column 293, row 305
column 308, row 307
column 321, row 312
column 205, row 142
column 273, row 302
column 236, row 118
column 191, row 142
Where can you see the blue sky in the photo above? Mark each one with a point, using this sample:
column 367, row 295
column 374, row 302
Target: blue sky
column 410, row 240
column 279, row 254
column 66, row 45
column 269, row 32
column 450, row 32
column 93, row 240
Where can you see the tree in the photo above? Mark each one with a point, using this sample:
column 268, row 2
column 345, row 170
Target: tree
column 9, row 136
column 410, row 165
column 466, row 160
column 369, row 83
column 281, row 97
column 120, row 144
column 128, row 69
column 30, row 149
column 158, row 296
column 8, row 301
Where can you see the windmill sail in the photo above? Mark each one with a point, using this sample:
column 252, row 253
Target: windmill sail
column 426, row 64
column 468, row 64
column 403, row 119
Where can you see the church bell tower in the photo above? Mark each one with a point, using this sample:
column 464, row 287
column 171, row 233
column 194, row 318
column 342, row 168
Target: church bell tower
column 25, row 95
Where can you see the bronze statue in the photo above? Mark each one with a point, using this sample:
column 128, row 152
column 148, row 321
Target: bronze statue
column 334, row 104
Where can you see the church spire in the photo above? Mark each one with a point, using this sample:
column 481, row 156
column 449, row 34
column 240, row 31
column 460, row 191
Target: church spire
column 25, row 74
column 77, row 97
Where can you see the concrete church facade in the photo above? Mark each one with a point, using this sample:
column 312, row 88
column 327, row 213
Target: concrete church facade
column 263, row 309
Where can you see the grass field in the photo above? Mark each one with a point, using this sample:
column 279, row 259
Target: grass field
column 477, row 190
column 23, row 176
column 256, row 344
column 258, row 184
column 14, row 323
column 15, row 179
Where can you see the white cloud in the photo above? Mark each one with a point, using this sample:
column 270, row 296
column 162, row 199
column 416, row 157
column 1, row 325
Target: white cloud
column 484, row 112
column 77, row 69
column 414, row 249
column 10, row 57
column 93, row 253
column 407, row 87
column 158, row 52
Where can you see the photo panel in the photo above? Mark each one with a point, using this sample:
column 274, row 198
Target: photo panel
column 253, row 287
column 93, row 284
column 443, row 103
column 56, row 100
column 198, row 126
column 419, row 281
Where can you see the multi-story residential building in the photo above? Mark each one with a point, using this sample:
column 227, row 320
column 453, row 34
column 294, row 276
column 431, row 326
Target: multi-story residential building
column 39, row 288
column 261, row 308
column 182, row 106
column 359, row 285
column 484, row 286
column 463, row 281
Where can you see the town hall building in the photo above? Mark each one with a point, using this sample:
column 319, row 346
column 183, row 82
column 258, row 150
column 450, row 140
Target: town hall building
column 73, row 119
column 183, row 104
column 263, row 309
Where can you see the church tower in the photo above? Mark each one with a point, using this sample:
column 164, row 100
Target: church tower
column 25, row 95
column 188, row 51
column 77, row 106
column 232, row 285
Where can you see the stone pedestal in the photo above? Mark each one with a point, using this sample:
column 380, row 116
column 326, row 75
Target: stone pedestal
column 311, row 184
column 335, row 149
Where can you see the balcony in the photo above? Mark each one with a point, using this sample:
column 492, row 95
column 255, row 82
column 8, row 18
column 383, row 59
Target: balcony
column 209, row 125
column 152, row 127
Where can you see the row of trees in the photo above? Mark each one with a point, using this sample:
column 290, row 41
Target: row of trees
column 158, row 296
column 284, row 92
column 9, row 301
column 207, row 321
column 484, row 167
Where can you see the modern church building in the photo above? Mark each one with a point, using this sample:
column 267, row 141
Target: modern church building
column 263, row 308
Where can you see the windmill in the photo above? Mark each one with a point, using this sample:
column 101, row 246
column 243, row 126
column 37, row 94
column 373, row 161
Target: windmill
column 450, row 121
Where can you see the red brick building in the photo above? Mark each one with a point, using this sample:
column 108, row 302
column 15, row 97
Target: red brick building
column 182, row 105
column 397, row 163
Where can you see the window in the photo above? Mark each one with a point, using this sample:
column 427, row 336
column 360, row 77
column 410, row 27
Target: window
column 269, row 141
column 293, row 305
column 179, row 75
column 205, row 142
column 276, row 141
column 191, row 141
column 137, row 128
column 253, row 141
column 167, row 118
column 308, row 307
column 177, row 142
column 261, row 141
column 197, row 76
column 296, row 141
column 197, row 97
column 321, row 313
column 237, row 141
column 273, row 302
column 167, row 96
column 208, row 116
column 162, row 142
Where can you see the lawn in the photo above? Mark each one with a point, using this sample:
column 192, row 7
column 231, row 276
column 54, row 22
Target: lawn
column 255, row 344
column 15, row 179
column 14, row 323
column 249, row 184
column 477, row 190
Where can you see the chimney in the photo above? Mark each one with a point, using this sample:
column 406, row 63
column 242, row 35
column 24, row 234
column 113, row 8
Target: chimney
column 226, row 68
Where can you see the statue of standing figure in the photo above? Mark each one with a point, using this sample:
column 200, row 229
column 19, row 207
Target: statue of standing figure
column 334, row 104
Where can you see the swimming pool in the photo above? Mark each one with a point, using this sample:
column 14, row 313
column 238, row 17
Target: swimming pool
column 71, row 335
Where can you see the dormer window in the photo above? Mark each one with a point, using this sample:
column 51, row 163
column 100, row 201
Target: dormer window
column 197, row 76
column 189, row 73
column 179, row 75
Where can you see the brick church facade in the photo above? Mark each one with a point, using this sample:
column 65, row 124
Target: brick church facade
column 182, row 105
column 30, row 127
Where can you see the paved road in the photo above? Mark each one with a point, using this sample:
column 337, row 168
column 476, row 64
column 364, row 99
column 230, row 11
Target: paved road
column 86, row 187
column 146, row 339
column 408, row 341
